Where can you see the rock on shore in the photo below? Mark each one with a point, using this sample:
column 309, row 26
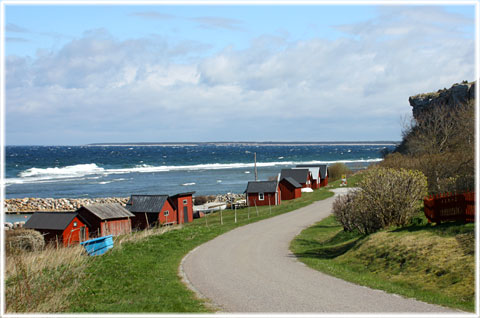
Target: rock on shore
column 64, row 204
column 49, row 204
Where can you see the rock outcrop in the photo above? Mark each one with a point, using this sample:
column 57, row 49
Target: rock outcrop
column 455, row 95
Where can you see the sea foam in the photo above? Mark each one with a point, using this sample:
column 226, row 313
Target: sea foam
column 80, row 171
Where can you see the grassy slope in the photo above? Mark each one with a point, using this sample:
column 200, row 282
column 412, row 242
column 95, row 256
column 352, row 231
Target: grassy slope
column 430, row 263
column 142, row 276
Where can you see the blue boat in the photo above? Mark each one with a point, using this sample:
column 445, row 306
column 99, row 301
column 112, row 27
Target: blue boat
column 99, row 245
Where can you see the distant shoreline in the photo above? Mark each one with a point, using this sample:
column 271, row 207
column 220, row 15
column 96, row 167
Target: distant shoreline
column 251, row 143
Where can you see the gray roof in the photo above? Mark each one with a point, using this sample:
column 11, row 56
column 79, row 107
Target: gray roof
column 292, row 182
column 50, row 220
column 299, row 175
column 314, row 170
column 108, row 211
column 146, row 203
column 323, row 169
column 261, row 186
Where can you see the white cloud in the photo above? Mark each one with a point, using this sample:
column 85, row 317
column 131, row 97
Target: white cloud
column 98, row 87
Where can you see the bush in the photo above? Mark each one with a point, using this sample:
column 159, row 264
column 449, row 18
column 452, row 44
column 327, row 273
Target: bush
column 24, row 240
column 202, row 199
column 336, row 171
column 447, row 172
column 386, row 197
column 349, row 211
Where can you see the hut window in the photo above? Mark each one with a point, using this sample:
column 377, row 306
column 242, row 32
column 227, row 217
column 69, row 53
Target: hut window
column 185, row 202
column 261, row 197
column 74, row 223
column 165, row 213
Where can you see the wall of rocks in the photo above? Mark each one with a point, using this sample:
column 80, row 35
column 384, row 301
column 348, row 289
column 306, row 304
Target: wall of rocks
column 49, row 204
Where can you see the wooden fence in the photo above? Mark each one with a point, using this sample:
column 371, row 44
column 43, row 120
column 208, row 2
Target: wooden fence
column 450, row 207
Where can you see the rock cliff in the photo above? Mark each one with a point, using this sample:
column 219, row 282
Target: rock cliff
column 455, row 95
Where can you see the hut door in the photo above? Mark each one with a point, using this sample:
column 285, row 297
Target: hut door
column 185, row 214
column 82, row 234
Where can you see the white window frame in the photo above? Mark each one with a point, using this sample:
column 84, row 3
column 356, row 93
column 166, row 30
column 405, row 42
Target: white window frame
column 261, row 196
column 185, row 202
column 166, row 213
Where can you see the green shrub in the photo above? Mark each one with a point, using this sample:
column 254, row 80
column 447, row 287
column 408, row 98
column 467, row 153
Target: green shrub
column 336, row 171
column 386, row 197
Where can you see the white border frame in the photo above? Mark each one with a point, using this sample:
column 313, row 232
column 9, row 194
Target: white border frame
column 231, row 2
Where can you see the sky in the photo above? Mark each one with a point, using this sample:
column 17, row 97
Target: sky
column 79, row 74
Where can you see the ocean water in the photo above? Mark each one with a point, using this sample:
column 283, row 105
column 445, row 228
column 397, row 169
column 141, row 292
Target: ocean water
column 103, row 171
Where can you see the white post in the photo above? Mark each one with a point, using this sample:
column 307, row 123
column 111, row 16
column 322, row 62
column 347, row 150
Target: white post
column 255, row 158
column 235, row 214
column 269, row 206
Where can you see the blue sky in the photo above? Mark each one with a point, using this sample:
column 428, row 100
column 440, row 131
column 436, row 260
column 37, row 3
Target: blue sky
column 172, row 73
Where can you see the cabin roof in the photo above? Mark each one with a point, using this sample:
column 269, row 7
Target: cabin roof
column 323, row 169
column 108, row 211
column 299, row 175
column 314, row 170
column 292, row 182
column 261, row 186
column 50, row 220
column 147, row 203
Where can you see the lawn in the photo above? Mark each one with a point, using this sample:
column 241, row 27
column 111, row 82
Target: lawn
column 142, row 276
column 432, row 263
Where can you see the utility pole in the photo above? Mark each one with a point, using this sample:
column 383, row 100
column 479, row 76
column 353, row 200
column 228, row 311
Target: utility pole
column 255, row 158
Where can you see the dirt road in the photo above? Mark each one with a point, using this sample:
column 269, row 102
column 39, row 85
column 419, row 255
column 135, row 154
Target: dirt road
column 251, row 269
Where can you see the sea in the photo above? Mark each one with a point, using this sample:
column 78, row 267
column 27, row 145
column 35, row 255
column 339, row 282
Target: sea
column 93, row 171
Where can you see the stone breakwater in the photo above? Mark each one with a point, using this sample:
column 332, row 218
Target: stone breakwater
column 50, row 204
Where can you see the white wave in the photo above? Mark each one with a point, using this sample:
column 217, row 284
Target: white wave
column 76, row 172
column 189, row 184
column 280, row 157
column 68, row 171
column 219, row 181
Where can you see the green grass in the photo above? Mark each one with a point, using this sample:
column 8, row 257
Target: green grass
column 142, row 276
column 431, row 263
column 352, row 181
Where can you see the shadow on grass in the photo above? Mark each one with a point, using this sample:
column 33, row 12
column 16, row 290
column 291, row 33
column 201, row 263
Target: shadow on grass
column 328, row 252
column 335, row 246
column 443, row 229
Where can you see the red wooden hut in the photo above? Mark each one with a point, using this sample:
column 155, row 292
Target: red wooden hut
column 302, row 176
column 263, row 193
column 315, row 174
column 323, row 173
column 65, row 228
column 290, row 189
column 107, row 219
column 184, row 206
column 150, row 210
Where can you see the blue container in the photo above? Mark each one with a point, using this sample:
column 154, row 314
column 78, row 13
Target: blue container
column 99, row 245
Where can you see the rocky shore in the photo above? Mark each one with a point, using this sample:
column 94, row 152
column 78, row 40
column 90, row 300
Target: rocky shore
column 64, row 204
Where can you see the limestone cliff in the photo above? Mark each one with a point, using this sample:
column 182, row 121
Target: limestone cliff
column 455, row 95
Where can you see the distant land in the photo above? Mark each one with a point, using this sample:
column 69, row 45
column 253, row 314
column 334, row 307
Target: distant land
column 250, row 143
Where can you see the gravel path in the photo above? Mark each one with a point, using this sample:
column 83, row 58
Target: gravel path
column 250, row 269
